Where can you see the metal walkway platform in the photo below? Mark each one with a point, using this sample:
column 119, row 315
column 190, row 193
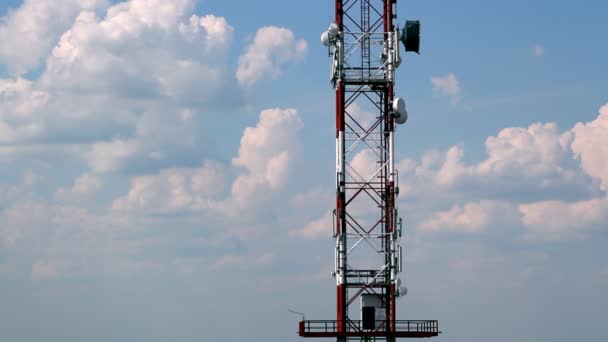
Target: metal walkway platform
column 404, row 329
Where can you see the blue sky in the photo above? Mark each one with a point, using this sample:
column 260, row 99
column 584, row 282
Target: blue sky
column 167, row 170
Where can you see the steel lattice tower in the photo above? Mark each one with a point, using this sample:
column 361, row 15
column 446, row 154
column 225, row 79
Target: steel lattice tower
column 364, row 46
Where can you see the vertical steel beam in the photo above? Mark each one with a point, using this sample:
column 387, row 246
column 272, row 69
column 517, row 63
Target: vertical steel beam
column 341, row 286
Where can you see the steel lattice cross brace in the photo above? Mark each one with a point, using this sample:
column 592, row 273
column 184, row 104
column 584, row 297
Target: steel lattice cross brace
column 364, row 45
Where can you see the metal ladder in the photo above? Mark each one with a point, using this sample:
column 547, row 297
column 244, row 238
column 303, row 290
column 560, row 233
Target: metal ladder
column 365, row 41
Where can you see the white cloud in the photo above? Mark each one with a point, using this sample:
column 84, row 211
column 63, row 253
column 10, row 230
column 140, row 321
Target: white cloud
column 536, row 150
column 142, row 48
column 447, row 85
column 29, row 32
column 317, row 229
column 122, row 87
column 87, row 184
column 530, row 179
column 558, row 219
column 174, row 190
column 109, row 156
column 19, row 97
column 18, row 100
column 84, row 186
column 17, row 217
column 313, row 198
column 363, row 166
column 267, row 153
column 217, row 32
column 160, row 139
column 474, row 217
column 266, row 157
column 46, row 240
column 590, row 145
column 118, row 86
column 365, row 117
column 521, row 164
column 538, row 50
column 271, row 48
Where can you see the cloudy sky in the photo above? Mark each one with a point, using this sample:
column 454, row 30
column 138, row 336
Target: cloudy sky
column 167, row 170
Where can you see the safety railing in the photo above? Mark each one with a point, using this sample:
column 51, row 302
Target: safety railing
column 402, row 328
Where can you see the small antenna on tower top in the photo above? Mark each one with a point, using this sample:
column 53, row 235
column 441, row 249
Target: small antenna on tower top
column 298, row 313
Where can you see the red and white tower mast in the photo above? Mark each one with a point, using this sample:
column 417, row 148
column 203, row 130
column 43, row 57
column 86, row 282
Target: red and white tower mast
column 364, row 45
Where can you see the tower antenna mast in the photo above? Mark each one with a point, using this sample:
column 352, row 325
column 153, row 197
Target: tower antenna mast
column 363, row 44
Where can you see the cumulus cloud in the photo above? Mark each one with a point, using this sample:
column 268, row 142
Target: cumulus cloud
column 84, row 186
column 129, row 87
column 108, row 156
column 20, row 214
column 309, row 210
column 474, row 217
column 19, row 99
column 316, row 229
column 266, row 156
column 160, row 139
column 142, row 49
column 133, row 81
column 363, row 116
column 590, row 145
column 534, row 150
column 57, row 240
column 271, row 48
column 363, row 166
column 313, row 198
column 530, row 173
column 558, row 219
column 521, row 164
column 45, row 240
column 216, row 31
column 29, row 32
column 267, row 153
column 174, row 190
column 447, row 85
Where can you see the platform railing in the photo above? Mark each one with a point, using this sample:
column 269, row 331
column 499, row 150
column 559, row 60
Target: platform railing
column 403, row 328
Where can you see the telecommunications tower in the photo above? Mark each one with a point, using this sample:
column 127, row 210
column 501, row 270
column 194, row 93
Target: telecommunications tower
column 363, row 43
